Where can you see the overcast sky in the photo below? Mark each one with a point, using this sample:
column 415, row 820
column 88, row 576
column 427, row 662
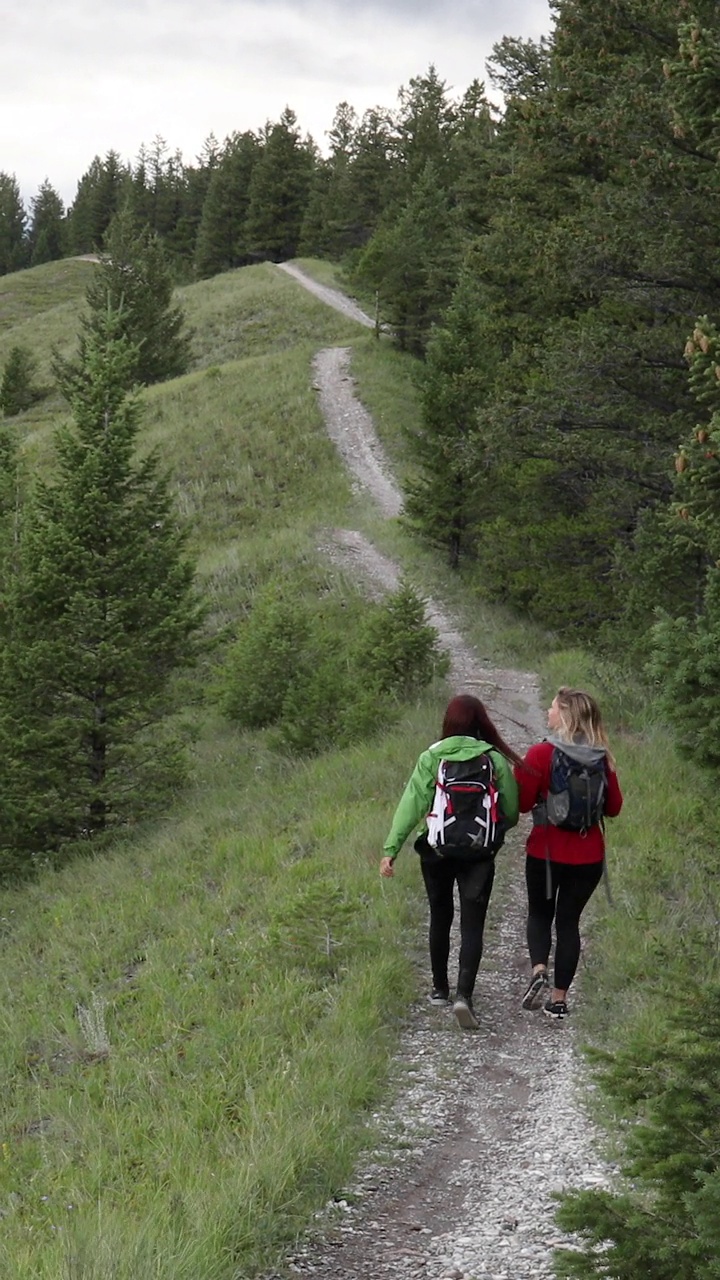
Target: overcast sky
column 85, row 76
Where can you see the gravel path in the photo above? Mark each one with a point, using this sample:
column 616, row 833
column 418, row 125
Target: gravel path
column 332, row 297
column 482, row 1128
column 351, row 428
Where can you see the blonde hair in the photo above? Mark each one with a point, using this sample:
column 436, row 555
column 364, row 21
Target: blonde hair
column 580, row 718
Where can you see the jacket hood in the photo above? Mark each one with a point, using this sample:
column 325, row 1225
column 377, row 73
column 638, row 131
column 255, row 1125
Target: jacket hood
column 579, row 750
column 459, row 747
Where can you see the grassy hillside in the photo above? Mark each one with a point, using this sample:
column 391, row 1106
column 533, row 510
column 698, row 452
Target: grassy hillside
column 197, row 1020
column 41, row 291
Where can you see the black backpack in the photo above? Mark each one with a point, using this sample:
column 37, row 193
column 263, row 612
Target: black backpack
column 576, row 799
column 465, row 820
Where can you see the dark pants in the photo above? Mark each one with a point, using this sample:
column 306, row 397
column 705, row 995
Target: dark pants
column 474, row 882
column 571, row 890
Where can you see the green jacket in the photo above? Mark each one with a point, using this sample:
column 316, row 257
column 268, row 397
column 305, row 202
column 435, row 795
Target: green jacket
column 416, row 800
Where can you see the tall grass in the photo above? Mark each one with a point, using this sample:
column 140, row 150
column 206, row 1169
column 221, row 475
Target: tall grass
column 243, row 964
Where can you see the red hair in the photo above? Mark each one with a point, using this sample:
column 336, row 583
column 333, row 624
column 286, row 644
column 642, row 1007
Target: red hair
column 465, row 715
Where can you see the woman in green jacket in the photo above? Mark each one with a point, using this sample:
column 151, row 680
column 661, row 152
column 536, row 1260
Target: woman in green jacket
column 467, row 732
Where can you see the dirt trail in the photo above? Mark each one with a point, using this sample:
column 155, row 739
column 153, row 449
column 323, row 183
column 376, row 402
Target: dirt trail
column 483, row 1127
column 332, row 297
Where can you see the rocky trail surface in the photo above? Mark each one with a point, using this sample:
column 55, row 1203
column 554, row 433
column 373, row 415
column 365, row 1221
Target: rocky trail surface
column 481, row 1128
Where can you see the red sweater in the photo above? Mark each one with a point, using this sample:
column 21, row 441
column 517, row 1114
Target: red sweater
column 575, row 847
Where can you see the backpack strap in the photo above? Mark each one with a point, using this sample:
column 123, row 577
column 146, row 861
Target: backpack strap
column 539, row 814
column 605, row 873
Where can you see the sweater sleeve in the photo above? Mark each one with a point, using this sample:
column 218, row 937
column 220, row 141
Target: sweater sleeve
column 533, row 775
column 414, row 805
column 614, row 798
column 508, row 788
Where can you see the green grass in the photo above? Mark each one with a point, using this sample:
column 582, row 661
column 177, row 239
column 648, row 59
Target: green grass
column 327, row 273
column 41, row 291
column 244, row 963
column 258, row 310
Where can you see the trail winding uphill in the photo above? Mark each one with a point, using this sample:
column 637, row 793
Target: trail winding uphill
column 482, row 1128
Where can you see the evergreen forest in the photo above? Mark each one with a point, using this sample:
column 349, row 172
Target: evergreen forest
column 545, row 369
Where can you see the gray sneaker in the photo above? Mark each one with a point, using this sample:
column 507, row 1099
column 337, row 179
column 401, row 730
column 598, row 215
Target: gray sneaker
column 537, row 991
column 465, row 1013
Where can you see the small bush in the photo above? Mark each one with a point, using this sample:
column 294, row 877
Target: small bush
column 329, row 703
column 260, row 666
column 398, row 650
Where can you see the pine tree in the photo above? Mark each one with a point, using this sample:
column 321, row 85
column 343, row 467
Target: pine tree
column 101, row 193
column 372, row 175
column 279, row 191
column 686, row 640
column 339, row 222
column 315, row 234
column 100, row 614
column 13, row 249
column 663, row 1222
column 686, row 644
column 133, row 280
column 17, row 392
column 46, row 237
column 472, row 159
column 197, row 180
column 450, row 490
column 413, row 262
column 599, row 246
column 221, row 242
column 426, row 121
column 140, row 201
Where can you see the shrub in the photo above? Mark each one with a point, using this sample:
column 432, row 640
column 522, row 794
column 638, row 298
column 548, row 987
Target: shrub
column 260, row 666
column 398, row 650
column 329, row 703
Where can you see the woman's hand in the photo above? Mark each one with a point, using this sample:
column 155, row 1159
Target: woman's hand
column 387, row 867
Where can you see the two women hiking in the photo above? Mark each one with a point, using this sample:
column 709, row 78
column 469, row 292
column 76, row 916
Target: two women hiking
column 464, row 788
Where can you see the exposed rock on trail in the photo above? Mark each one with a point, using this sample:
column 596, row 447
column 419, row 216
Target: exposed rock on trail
column 483, row 1127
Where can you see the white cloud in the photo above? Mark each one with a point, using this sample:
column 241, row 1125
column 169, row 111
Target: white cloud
column 82, row 78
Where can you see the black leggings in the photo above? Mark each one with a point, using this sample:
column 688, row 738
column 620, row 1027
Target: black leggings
column 474, row 882
column 572, row 888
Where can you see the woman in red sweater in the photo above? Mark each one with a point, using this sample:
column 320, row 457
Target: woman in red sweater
column 563, row 867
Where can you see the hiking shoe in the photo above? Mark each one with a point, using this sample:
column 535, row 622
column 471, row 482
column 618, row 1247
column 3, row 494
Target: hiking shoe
column 556, row 1009
column 465, row 1013
column 439, row 996
column 537, row 990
